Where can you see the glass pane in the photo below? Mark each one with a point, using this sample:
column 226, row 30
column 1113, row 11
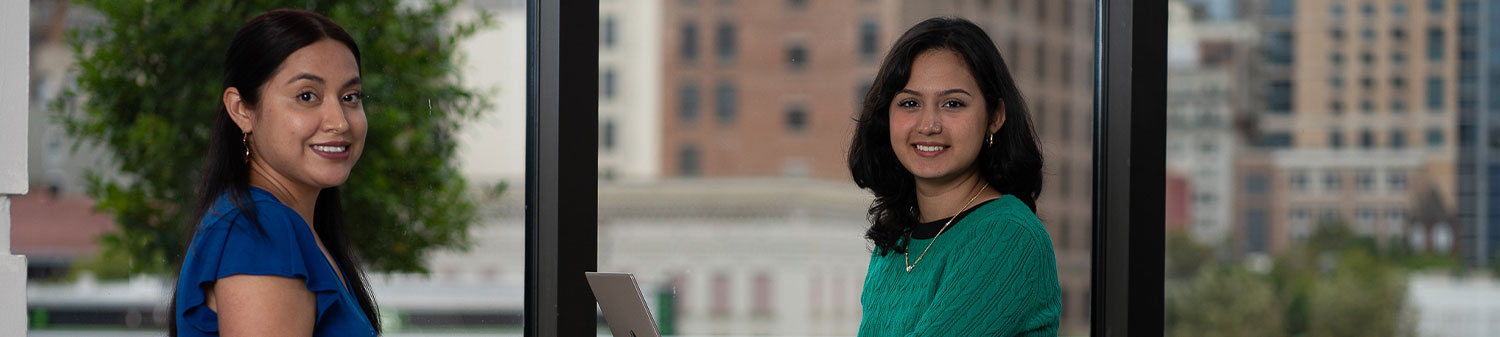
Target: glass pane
column 1326, row 207
column 441, row 169
column 726, row 189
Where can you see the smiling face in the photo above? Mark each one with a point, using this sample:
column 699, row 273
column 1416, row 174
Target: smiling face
column 939, row 120
column 309, row 127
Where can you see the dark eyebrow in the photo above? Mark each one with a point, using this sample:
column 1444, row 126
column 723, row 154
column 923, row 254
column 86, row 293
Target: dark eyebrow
column 945, row 92
column 353, row 81
column 306, row 76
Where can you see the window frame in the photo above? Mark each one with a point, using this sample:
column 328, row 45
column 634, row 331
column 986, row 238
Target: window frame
column 1129, row 152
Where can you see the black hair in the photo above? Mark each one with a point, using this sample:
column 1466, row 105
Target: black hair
column 256, row 52
column 1013, row 165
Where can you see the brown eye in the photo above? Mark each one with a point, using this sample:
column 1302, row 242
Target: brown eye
column 953, row 104
column 907, row 103
column 352, row 97
column 307, row 97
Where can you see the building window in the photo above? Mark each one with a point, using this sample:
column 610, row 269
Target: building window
column 1255, row 184
column 1398, row 34
column 1398, row 82
column 1366, row 139
column 1368, row 9
column 1368, row 34
column 1396, row 181
column 1434, row 94
column 1434, row 138
column 687, row 161
column 1398, row 10
column 1337, row 58
column 1280, row 97
column 1298, row 180
column 869, row 44
column 796, row 119
column 796, row 4
column 1255, row 224
column 1276, row 140
column 607, row 33
column 761, row 304
column 607, row 135
column 1336, row 11
column 607, row 84
column 1336, row 82
column 1366, row 82
column 1336, row 139
column 1336, row 33
column 1367, row 58
column 1365, row 180
column 1041, row 61
column 1398, row 106
column 1041, row 9
column 1281, row 8
column 1436, row 6
column 1336, row 107
column 724, row 42
column 1280, row 48
column 689, row 51
column 1332, row 181
column 796, row 57
column 1435, row 44
column 1398, row 57
column 689, row 103
column 1398, row 139
column 1366, row 106
column 725, row 100
column 720, row 306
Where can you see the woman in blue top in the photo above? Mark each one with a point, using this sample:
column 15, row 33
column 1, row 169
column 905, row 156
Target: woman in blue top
column 270, row 256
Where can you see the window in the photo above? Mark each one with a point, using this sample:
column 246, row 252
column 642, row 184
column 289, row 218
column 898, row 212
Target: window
column 1368, row 34
column 1434, row 94
column 1367, row 58
column 1280, row 48
column 1368, row 9
column 720, row 306
column 1337, row 58
column 725, row 100
column 1398, row 139
column 1398, row 106
column 763, row 293
column 607, row 84
column 796, row 119
column 1298, row 180
column 1366, row 82
column 1336, row 82
column 1336, row 139
column 689, row 104
column 689, row 51
column 869, row 43
column 1336, row 10
column 1398, row 34
column 607, row 34
column 1281, row 8
column 1396, row 181
column 1276, row 140
column 796, row 57
column 1366, row 139
column 688, row 166
column 1366, row 106
column 1434, row 138
column 1337, row 34
column 1398, row 10
column 1365, row 180
column 1255, row 184
column 1398, row 57
column 1336, row 107
column 607, row 135
column 1398, row 82
column 1280, row 97
column 1256, row 225
column 724, row 42
column 1435, row 6
column 796, row 4
column 1435, row 44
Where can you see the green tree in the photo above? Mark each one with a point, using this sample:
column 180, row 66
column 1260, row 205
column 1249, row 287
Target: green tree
column 149, row 86
column 1224, row 301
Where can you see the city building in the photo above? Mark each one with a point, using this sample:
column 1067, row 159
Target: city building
column 1479, row 132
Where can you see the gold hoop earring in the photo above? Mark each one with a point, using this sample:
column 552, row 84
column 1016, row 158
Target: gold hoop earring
column 989, row 140
column 245, row 139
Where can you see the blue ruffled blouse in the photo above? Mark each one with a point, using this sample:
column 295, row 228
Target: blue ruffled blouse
column 227, row 244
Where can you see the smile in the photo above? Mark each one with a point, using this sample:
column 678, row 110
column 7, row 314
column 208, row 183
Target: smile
column 926, row 148
column 333, row 149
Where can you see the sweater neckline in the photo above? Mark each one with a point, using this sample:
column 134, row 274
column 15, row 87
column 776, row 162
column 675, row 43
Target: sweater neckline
column 928, row 230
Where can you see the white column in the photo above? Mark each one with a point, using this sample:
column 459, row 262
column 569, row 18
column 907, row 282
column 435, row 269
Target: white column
column 14, row 79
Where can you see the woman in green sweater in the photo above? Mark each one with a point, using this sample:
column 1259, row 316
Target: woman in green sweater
column 947, row 147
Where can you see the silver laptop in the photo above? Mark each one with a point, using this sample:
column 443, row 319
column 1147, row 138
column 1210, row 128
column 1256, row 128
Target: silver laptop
column 624, row 307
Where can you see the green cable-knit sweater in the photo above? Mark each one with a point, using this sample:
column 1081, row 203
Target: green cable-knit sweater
column 991, row 274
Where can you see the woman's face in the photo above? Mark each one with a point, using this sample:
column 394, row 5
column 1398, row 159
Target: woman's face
column 309, row 126
column 938, row 120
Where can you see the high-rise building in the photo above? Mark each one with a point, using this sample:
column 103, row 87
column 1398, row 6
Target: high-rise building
column 630, row 89
column 1479, row 132
column 1359, row 113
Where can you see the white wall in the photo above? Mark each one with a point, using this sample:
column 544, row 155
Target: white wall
column 14, row 46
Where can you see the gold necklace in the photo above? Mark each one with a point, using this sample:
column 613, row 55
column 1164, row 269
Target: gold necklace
column 909, row 264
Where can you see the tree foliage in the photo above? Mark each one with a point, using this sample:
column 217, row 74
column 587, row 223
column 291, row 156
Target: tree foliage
column 148, row 89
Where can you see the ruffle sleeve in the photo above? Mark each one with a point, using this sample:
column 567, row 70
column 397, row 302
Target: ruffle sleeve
column 228, row 244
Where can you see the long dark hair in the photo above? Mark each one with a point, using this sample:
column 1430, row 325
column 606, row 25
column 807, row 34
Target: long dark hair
column 256, row 52
column 1012, row 166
